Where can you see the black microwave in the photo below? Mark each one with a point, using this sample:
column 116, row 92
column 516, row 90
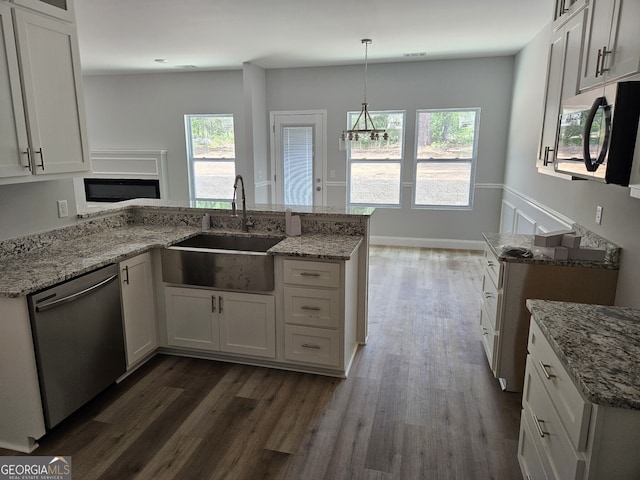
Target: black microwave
column 596, row 137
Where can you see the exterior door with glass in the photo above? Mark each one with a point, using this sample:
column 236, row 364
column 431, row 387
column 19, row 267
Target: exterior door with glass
column 298, row 157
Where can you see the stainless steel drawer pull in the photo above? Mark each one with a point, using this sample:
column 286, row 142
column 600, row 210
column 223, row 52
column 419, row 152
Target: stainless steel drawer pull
column 39, row 152
column 537, row 421
column 311, row 345
column 310, row 307
column 126, row 275
column 545, row 371
column 27, row 152
column 309, row 274
column 488, row 295
column 213, row 303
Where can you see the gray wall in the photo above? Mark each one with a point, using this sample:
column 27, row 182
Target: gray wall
column 576, row 200
column 32, row 207
column 484, row 82
column 146, row 112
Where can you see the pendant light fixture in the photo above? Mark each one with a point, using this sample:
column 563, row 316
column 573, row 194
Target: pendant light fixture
column 367, row 128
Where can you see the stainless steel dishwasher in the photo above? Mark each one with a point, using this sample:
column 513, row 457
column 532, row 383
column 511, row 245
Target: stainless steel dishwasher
column 79, row 340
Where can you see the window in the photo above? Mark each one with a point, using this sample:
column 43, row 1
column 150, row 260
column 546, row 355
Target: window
column 375, row 166
column 446, row 146
column 211, row 152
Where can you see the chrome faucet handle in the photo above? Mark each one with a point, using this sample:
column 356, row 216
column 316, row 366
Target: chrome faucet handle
column 234, row 211
column 250, row 223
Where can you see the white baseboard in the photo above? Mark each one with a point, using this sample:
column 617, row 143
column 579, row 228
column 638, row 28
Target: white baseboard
column 426, row 242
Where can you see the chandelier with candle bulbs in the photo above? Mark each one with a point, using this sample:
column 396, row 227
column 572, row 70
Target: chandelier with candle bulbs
column 367, row 128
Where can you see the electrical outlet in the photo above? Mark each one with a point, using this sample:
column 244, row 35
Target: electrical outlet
column 598, row 214
column 63, row 209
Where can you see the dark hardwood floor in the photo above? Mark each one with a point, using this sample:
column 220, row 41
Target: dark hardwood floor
column 419, row 403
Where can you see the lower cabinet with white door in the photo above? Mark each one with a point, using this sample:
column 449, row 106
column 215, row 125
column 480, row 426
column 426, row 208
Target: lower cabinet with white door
column 219, row 321
column 138, row 307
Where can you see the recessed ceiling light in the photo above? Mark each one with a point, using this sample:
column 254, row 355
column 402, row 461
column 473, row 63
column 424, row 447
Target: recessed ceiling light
column 160, row 60
column 415, row 54
column 186, row 66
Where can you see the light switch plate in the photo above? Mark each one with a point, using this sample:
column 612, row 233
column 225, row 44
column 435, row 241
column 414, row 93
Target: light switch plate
column 598, row 214
column 63, row 209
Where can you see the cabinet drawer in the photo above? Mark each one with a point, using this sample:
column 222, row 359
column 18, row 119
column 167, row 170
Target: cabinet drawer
column 489, row 337
column 312, row 274
column 531, row 457
column 491, row 301
column 492, row 266
column 307, row 306
column 312, row 345
column 565, row 462
column 574, row 411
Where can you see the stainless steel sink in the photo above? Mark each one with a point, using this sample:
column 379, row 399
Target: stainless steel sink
column 241, row 244
column 221, row 261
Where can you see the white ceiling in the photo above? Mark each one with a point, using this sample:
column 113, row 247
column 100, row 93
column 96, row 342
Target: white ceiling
column 126, row 36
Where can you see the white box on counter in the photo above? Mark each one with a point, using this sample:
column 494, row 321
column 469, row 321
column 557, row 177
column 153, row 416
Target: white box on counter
column 571, row 241
column 551, row 239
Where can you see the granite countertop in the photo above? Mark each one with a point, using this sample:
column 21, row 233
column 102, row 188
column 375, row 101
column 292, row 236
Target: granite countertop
column 598, row 345
column 221, row 207
column 43, row 267
column 498, row 241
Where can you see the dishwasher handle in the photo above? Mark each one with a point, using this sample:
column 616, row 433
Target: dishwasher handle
column 74, row 296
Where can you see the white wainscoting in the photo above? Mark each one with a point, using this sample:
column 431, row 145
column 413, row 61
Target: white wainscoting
column 522, row 214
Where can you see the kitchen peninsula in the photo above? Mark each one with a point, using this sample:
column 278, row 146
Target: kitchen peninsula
column 318, row 314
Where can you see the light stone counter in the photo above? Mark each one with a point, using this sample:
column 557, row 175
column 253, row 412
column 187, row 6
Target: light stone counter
column 499, row 241
column 34, row 262
column 598, row 345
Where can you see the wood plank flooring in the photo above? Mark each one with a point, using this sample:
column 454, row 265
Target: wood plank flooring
column 419, row 403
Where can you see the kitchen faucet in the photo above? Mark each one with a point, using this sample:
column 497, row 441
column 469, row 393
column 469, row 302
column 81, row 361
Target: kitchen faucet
column 245, row 223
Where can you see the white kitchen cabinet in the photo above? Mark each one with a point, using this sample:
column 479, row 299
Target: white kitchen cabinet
column 563, row 436
column 192, row 319
column 21, row 415
column 62, row 9
column 612, row 43
column 13, row 134
column 138, row 307
column 563, row 73
column 231, row 322
column 48, row 56
column 247, row 324
column 320, row 312
column 504, row 318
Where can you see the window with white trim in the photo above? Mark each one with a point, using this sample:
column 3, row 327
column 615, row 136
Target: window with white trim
column 375, row 166
column 446, row 151
column 211, row 154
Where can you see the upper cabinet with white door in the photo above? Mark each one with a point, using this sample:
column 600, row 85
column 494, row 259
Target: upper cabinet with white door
column 62, row 9
column 13, row 133
column 563, row 71
column 612, row 41
column 52, row 142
